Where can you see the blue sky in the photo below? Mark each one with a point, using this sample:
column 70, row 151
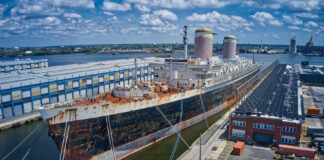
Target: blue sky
column 73, row 22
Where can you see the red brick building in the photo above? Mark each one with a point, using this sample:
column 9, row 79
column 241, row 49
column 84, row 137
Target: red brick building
column 264, row 129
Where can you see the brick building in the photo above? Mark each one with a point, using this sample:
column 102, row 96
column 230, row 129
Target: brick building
column 264, row 129
column 273, row 112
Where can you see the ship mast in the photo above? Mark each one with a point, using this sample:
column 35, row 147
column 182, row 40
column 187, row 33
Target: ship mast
column 135, row 71
column 185, row 42
column 171, row 76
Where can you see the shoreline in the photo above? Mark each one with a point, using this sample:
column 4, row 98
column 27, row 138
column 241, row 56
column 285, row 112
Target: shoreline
column 36, row 55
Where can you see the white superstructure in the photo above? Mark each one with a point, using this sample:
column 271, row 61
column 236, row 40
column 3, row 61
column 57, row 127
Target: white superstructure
column 193, row 73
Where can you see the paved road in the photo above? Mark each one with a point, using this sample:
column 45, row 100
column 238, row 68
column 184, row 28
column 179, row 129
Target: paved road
column 216, row 136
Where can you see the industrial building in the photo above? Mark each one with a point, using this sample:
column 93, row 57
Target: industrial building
column 312, row 74
column 22, row 64
column 310, row 42
column 273, row 112
column 27, row 90
column 293, row 46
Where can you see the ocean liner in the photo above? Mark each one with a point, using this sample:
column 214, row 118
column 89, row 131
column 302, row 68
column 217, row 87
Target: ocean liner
column 187, row 90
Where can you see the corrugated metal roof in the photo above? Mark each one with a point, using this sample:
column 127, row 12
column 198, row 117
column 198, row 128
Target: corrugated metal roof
column 20, row 62
column 40, row 75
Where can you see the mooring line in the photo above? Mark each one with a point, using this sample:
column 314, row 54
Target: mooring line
column 173, row 127
column 178, row 138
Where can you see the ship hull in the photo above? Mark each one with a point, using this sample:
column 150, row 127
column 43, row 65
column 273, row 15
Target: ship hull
column 136, row 129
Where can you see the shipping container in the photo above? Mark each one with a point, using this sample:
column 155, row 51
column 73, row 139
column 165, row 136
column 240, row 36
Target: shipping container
column 238, row 148
column 313, row 110
column 297, row 151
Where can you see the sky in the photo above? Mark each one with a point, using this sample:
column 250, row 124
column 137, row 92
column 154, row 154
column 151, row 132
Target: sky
column 30, row 23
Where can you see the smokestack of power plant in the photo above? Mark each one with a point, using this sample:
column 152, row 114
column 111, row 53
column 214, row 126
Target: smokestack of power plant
column 185, row 42
column 229, row 47
column 203, row 43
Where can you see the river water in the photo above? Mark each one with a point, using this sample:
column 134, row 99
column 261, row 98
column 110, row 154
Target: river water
column 44, row 147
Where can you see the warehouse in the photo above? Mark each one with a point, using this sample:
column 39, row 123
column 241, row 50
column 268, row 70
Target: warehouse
column 272, row 113
column 27, row 90
column 22, row 64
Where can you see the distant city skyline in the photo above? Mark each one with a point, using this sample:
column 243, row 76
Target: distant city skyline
column 30, row 23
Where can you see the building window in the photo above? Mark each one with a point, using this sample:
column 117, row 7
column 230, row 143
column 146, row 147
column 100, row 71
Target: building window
column 238, row 133
column 263, row 126
column 289, row 129
column 239, row 123
column 288, row 140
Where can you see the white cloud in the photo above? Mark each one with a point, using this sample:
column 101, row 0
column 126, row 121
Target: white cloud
column 307, row 30
column 294, row 27
column 248, row 29
column 275, row 36
column 50, row 21
column 108, row 13
column 211, row 3
column 165, row 14
column 296, row 5
column 148, row 19
column 142, row 8
column 71, row 3
column 164, row 28
column 114, row 18
column 157, row 17
column 264, row 17
column 158, row 21
column 183, row 4
column 292, row 20
column 72, row 15
column 307, row 5
column 221, row 21
column 2, row 9
column 112, row 6
column 3, row 22
column 307, row 15
column 261, row 4
column 311, row 24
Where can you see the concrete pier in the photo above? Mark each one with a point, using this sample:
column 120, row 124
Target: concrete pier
column 19, row 120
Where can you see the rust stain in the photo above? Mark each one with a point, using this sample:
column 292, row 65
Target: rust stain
column 163, row 97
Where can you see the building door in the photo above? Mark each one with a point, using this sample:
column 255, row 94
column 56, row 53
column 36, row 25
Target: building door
column 262, row 137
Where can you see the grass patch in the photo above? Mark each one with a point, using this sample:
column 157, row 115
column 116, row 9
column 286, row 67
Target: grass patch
column 163, row 149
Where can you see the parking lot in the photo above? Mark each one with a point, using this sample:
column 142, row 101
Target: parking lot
column 308, row 97
column 254, row 153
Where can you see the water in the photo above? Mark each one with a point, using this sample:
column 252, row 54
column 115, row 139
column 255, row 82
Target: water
column 54, row 60
column 45, row 148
